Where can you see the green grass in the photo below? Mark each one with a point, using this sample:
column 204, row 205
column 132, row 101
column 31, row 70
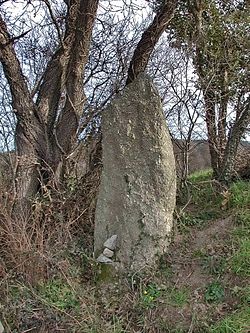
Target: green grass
column 186, row 220
column 58, row 294
column 242, row 217
column 201, row 175
column 242, row 232
column 177, row 297
column 214, row 264
column 147, row 297
column 238, row 322
column 240, row 261
column 214, row 292
column 240, row 195
column 209, row 202
column 242, row 220
column 205, row 197
column 243, row 293
column 197, row 182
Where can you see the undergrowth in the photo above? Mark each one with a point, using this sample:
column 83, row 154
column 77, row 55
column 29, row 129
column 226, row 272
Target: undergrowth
column 48, row 277
column 237, row 322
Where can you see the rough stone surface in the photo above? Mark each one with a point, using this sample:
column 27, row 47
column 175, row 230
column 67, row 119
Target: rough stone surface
column 103, row 259
column 1, row 327
column 111, row 242
column 108, row 253
column 138, row 183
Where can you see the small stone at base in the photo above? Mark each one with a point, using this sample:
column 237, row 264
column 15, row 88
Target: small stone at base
column 103, row 259
column 108, row 253
column 111, row 242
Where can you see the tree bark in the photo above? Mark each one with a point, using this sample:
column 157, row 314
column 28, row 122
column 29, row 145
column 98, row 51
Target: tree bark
column 214, row 76
column 212, row 130
column 75, row 97
column 43, row 138
column 30, row 137
column 149, row 39
column 227, row 170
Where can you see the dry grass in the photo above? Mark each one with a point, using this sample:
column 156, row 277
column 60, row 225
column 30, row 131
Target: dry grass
column 49, row 281
column 31, row 245
column 24, row 246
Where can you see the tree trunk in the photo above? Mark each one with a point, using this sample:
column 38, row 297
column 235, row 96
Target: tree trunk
column 227, row 170
column 149, row 39
column 43, row 139
column 212, row 130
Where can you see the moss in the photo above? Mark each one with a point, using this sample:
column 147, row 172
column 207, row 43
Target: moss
column 106, row 273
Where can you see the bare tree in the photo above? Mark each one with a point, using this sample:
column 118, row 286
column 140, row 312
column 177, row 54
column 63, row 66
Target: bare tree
column 47, row 122
column 48, row 107
column 182, row 102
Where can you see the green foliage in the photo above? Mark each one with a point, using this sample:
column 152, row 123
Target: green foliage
column 177, row 297
column 243, row 293
column 209, row 214
column 149, row 296
column 200, row 176
column 58, row 294
column 242, row 217
column 186, row 220
column 240, row 199
column 238, row 322
column 214, row 264
column 240, row 196
column 241, row 232
column 147, row 301
column 213, row 27
column 214, row 292
column 204, row 194
column 240, row 261
column 206, row 201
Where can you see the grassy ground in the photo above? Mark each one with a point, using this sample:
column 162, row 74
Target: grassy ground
column 201, row 286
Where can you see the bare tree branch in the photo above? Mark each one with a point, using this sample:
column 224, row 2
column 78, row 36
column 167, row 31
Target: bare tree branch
column 78, row 58
column 149, row 39
column 20, row 93
column 54, row 20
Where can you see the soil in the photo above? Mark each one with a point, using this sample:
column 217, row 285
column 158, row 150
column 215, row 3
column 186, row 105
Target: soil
column 189, row 271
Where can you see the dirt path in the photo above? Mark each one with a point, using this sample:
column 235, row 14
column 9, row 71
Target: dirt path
column 196, row 259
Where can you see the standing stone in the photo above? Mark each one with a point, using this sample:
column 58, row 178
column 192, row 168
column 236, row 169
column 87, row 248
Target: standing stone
column 138, row 183
column 1, row 327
